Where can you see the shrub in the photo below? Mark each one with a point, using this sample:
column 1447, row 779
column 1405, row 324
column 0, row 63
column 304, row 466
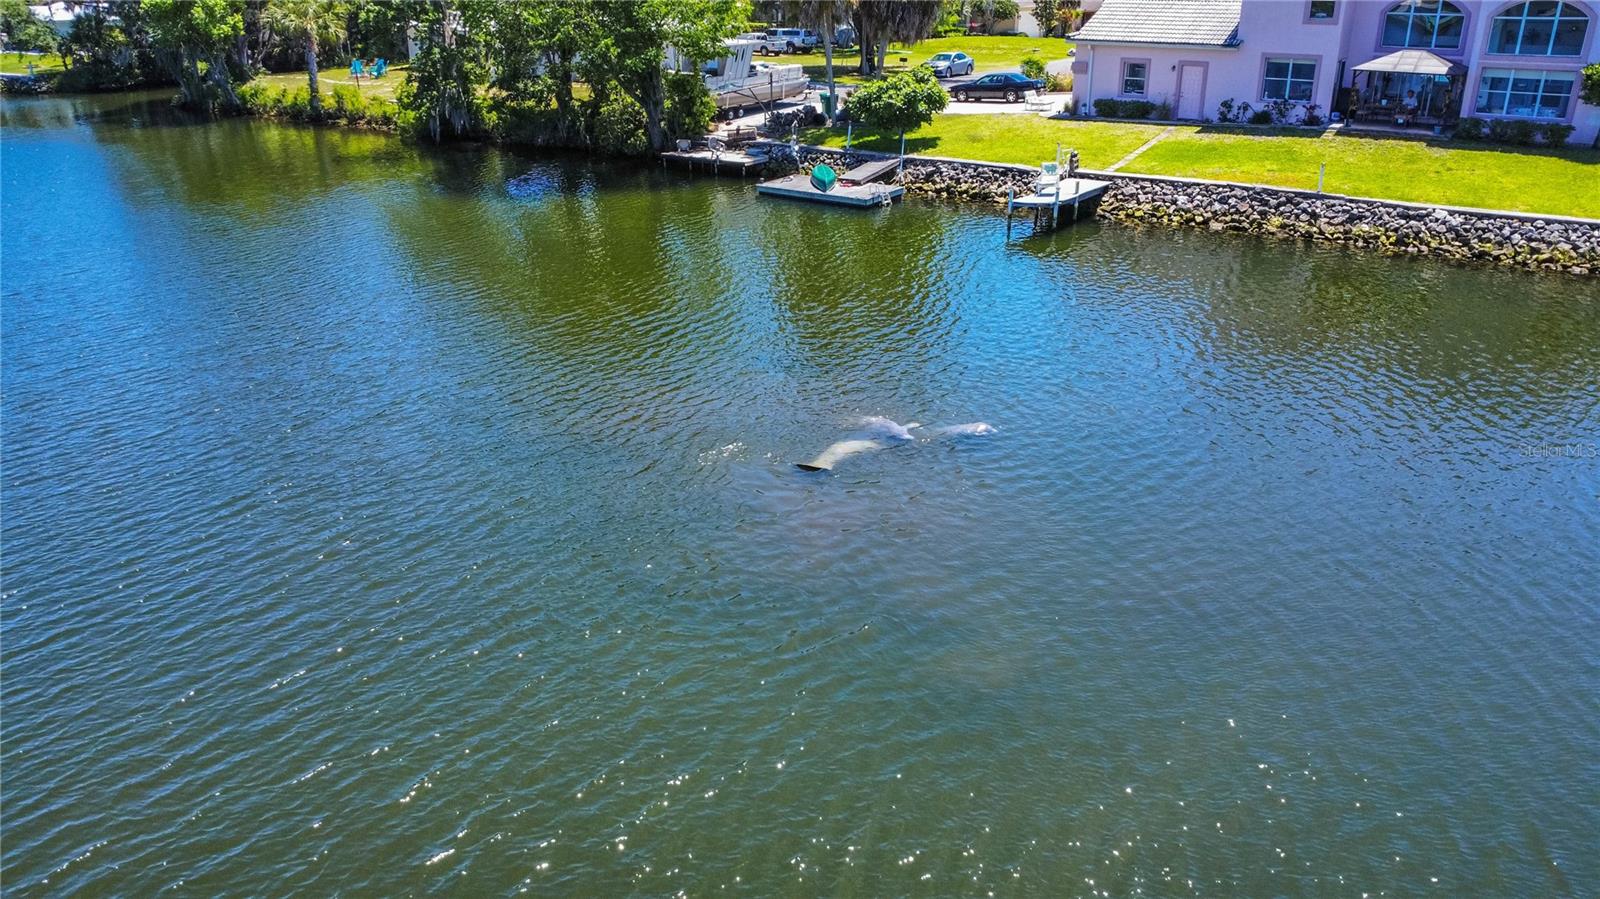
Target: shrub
column 619, row 128
column 690, row 107
column 1311, row 115
column 1137, row 109
column 1058, row 83
column 901, row 102
column 1033, row 67
column 1227, row 111
column 1106, row 107
column 1471, row 129
column 348, row 104
column 1261, row 117
column 1515, row 132
column 1163, row 111
column 1554, row 133
column 297, row 103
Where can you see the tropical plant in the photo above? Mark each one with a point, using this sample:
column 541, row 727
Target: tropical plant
column 312, row 24
column 192, row 39
column 901, row 102
column 1033, row 67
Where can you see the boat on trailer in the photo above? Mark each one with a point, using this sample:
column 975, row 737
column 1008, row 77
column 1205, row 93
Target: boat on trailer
column 735, row 79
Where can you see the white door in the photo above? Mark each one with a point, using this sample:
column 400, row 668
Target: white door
column 1191, row 90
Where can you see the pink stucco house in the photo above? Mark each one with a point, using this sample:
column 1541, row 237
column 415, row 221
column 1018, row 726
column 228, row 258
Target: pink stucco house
column 1421, row 63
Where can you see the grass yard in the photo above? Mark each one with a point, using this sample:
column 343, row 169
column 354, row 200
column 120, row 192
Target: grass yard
column 1024, row 139
column 1561, row 182
column 17, row 63
column 328, row 79
column 990, row 53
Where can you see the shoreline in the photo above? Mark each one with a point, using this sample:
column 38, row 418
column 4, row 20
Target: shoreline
column 1503, row 238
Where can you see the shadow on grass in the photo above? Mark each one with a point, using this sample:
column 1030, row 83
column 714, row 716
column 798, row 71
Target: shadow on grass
column 868, row 140
column 1437, row 142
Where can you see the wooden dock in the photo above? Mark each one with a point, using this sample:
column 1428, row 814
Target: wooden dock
column 1067, row 201
column 715, row 161
column 799, row 187
column 868, row 172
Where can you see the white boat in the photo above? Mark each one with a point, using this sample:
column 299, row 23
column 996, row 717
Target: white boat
column 736, row 79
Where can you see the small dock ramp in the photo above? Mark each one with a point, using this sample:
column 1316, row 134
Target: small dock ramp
column 868, row 172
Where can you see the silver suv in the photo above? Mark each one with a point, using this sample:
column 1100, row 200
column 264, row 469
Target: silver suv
column 795, row 39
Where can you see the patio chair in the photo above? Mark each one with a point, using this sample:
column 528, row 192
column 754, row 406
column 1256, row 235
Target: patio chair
column 1035, row 101
column 1049, row 177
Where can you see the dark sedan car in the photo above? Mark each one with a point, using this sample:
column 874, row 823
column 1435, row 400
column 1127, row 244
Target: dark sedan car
column 1007, row 86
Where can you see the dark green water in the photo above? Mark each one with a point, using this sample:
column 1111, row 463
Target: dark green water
column 379, row 520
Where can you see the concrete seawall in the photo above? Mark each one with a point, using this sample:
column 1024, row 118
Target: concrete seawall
column 1511, row 239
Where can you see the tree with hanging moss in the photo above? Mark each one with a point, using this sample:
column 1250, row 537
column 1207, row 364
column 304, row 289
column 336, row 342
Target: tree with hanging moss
column 313, row 24
column 442, row 87
column 192, row 39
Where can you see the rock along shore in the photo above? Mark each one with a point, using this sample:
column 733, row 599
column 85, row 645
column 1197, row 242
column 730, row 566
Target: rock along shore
column 1516, row 240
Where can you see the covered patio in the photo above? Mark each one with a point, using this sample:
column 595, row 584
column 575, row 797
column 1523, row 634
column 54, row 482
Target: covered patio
column 1409, row 88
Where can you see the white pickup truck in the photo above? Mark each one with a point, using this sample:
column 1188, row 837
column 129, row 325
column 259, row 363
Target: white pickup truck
column 767, row 44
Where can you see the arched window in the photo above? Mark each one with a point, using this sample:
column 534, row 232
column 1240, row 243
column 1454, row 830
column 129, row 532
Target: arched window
column 1539, row 28
column 1428, row 24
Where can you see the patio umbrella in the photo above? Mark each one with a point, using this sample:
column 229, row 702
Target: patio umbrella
column 1413, row 62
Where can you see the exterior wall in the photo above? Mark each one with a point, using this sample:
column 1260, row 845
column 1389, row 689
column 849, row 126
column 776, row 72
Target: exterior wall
column 1274, row 28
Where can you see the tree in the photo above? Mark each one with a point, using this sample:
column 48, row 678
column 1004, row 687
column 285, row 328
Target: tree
column 824, row 17
column 901, row 102
column 535, row 52
column 192, row 39
column 25, row 30
column 992, row 11
column 633, row 37
column 442, row 86
column 1590, row 93
column 879, row 23
column 311, row 24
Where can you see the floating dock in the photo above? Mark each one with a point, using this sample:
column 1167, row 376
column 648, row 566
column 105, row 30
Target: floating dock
column 799, row 187
column 715, row 161
column 1067, row 201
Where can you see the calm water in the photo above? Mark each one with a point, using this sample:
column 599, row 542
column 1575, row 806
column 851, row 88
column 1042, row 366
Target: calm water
column 383, row 520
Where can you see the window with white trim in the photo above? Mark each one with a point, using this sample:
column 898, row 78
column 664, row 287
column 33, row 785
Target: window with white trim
column 1427, row 24
column 1288, row 79
column 1519, row 92
column 1135, row 78
column 1539, row 28
column 1318, row 10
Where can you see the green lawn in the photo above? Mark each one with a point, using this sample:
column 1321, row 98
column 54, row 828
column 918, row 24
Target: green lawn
column 1559, row 182
column 1562, row 182
column 17, row 63
column 1022, row 139
column 328, row 79
column 990, row 53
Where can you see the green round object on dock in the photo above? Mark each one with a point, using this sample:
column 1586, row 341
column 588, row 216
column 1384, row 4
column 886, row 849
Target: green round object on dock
column 823, row 177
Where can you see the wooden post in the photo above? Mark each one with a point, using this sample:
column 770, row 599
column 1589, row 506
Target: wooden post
column 1011, row 197
column 1321, row 170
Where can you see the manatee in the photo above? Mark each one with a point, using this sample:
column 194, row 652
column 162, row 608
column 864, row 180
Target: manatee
column 838, row 452
column 972, row 429
column 878, row 426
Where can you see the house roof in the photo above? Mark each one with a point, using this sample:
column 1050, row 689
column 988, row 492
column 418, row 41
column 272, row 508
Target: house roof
column 1190, row 23
column 1413, row 62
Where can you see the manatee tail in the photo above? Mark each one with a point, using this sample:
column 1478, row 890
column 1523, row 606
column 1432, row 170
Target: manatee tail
column 807, row 466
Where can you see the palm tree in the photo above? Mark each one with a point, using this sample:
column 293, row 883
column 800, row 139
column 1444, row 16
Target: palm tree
column 825, row 17
column 312, row 23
